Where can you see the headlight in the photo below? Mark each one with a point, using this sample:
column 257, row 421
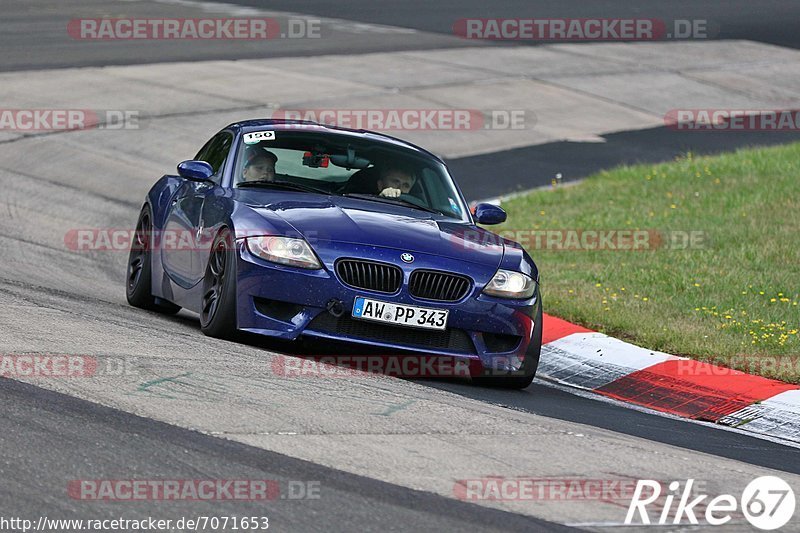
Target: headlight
column 284, row 250
column 509, row 284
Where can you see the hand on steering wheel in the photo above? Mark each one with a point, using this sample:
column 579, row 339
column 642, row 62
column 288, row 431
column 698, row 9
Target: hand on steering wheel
column 390, row 192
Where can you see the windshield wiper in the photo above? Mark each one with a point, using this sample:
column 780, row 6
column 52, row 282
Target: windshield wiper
column 282, row 185
column 393, row 201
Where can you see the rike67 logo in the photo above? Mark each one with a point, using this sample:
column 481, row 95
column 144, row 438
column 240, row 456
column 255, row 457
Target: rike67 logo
column 767, row 502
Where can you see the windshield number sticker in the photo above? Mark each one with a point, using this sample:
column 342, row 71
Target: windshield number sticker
column 256, row 137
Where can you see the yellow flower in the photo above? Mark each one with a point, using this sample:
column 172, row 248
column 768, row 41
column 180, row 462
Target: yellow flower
column 644, row 299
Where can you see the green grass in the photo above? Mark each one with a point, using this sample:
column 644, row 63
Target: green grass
column 733, row 301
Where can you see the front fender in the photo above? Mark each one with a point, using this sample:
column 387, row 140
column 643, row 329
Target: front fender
column 516, row 258
column 159, row 198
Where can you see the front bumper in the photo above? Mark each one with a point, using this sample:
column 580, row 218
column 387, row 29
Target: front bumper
column 490, row 334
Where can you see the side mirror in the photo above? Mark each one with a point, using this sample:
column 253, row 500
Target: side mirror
column 195, row 170
column 489, row 214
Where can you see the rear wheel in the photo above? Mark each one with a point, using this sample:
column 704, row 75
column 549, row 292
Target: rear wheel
column 140, row 273
column 525, row 376
column 218, row 305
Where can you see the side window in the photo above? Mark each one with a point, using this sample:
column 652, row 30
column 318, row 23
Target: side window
column 431, row 183
column 202, row 155
column 215, row 152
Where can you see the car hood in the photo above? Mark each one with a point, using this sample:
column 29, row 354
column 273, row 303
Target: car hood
column 352, row 220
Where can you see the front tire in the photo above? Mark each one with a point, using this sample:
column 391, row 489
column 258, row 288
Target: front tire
column 218, row 305
column 140, row 269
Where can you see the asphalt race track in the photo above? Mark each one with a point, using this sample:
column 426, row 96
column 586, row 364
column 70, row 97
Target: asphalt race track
column 68, row 432
column 574, row 160
column 387, row 454
column 771, row 21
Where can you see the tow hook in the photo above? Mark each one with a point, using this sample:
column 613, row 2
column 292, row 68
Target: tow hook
column 335, row 307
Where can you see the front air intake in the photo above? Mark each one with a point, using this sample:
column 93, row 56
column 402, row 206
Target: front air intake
column 438, row 286
column 369, row 275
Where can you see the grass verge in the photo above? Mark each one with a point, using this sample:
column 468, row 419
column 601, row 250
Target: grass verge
column 719, row 277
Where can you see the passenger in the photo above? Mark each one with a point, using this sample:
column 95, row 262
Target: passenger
column 259, row 164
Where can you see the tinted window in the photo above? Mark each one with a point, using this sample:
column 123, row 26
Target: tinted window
column 215, row 152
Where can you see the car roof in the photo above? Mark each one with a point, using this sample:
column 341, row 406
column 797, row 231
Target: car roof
column 246, row 126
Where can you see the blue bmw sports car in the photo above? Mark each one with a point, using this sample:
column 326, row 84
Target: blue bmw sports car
column 294, row 230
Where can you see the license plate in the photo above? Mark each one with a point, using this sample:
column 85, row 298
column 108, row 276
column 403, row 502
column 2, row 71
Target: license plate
column 400, row 314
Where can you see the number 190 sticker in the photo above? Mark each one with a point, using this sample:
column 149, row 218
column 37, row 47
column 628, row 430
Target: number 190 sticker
column 258, row 136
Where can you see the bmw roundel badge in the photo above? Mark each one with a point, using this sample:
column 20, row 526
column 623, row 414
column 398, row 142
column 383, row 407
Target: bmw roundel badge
column 407, row 258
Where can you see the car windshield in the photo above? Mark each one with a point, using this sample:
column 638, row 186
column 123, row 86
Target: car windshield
column 328, row 163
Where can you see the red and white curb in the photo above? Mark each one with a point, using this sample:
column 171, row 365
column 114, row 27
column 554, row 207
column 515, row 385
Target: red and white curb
column 588, row 360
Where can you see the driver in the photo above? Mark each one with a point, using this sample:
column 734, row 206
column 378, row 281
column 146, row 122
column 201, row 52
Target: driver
column 259, row 164
column 394, row 181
